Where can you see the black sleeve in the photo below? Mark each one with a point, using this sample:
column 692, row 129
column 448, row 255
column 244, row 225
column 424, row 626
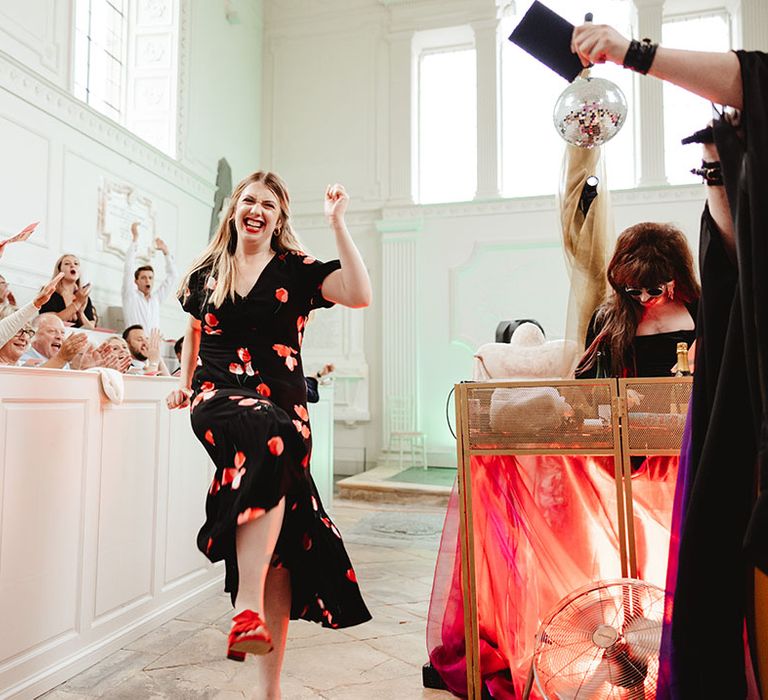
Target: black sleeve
column 193, row 297
column 53, row 305
column 88, row 313
column 312, row 273
column 313, row 395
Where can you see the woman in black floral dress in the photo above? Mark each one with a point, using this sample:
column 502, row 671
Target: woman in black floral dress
column 248, row 296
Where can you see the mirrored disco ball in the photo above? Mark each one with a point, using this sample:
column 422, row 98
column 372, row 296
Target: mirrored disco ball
column 590, row 112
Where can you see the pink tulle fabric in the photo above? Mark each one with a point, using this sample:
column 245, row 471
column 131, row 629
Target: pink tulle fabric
column 544, row 526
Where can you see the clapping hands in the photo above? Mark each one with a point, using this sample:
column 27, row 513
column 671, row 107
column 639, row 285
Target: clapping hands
column 47, row 291
column 81, row 295
column 153, row 346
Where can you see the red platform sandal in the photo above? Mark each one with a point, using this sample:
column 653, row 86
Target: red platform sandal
column 249, row 635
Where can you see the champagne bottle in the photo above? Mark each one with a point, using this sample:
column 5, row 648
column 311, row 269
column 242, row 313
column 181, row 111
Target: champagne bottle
column 683, row 368
column 601, row 371
column 678, row 404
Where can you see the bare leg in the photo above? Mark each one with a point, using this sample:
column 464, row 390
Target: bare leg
column 278, row 611
column 255, row 542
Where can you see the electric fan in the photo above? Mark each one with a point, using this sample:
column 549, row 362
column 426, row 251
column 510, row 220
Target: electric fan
column 601, row 643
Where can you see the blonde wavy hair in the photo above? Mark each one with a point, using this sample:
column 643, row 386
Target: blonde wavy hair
column 219, row 256
column 57, row 268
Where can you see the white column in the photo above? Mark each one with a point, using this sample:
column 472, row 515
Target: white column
column 750, row 18
column 488, row 121
column 401, row 137
column 651, row 101
column 399, row 294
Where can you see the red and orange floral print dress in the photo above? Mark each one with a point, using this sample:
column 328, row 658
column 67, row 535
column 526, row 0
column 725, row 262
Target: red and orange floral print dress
column 249, row 411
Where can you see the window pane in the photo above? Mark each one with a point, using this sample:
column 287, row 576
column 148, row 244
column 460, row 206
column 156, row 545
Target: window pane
column 447, row 125
column 685, row 112
column 532, row 151
column 99, row 51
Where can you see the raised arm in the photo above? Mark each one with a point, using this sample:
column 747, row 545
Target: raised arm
column 12, row 324
column 349, row 286
column 717, row 202
column 179, row 397
column 171, row 274
column 712, row 75
column 130, row 261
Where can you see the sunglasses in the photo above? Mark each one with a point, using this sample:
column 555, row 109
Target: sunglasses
column 656, row 291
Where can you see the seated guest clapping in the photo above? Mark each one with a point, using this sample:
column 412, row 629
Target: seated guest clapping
column 7, row 300
column 47, row 340
column 11, row 352
column 51, row 349
column 146, row 350
column 11, row 325
column 71, row 301
column 121, row 351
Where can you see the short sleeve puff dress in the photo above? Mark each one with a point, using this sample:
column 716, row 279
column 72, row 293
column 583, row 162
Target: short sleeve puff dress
column 249, row 411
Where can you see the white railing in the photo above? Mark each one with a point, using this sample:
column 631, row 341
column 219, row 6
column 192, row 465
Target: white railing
column 99, row 508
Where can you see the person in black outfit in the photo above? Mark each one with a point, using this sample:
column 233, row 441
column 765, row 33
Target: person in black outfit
column 71, row 301
column 723, row 484
column 651, row 307
column 313, row 383
column 248, row 297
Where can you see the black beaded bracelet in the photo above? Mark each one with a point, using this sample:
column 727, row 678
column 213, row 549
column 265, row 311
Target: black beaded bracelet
column 640, row 55
column 710, row 172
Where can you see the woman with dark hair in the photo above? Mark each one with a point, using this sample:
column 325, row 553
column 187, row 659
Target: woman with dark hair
column 652, row 306
column 248, row 296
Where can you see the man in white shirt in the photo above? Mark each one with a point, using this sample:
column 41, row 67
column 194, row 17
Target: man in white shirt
column 141, row 306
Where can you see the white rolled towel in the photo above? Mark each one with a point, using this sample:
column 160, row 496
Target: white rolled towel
column 112, row 384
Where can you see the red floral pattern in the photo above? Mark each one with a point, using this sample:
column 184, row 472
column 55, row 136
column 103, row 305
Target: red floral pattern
column 276, row 445
column 249, row 398
column 264, row 390
column 287, row 352
column 301, row 412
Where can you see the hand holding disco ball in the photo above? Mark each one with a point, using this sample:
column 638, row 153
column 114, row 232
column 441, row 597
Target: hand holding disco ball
column 590, row 112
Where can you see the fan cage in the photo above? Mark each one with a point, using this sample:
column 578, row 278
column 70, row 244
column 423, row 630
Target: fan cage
column 601, row 642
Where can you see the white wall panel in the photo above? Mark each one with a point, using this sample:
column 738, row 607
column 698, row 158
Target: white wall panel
column 84, row 508
column 43, row 470
column 503, row 281
column 25, row 184
column 37, row 33
column 323, row 128
column 127, row 504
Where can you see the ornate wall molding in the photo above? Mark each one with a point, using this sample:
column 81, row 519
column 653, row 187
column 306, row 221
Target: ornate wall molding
column 519, row 205
column 62, row 106
column 43, row 44
column 390, row 219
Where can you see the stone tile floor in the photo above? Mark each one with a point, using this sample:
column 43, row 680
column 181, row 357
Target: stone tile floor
column 393, row 549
